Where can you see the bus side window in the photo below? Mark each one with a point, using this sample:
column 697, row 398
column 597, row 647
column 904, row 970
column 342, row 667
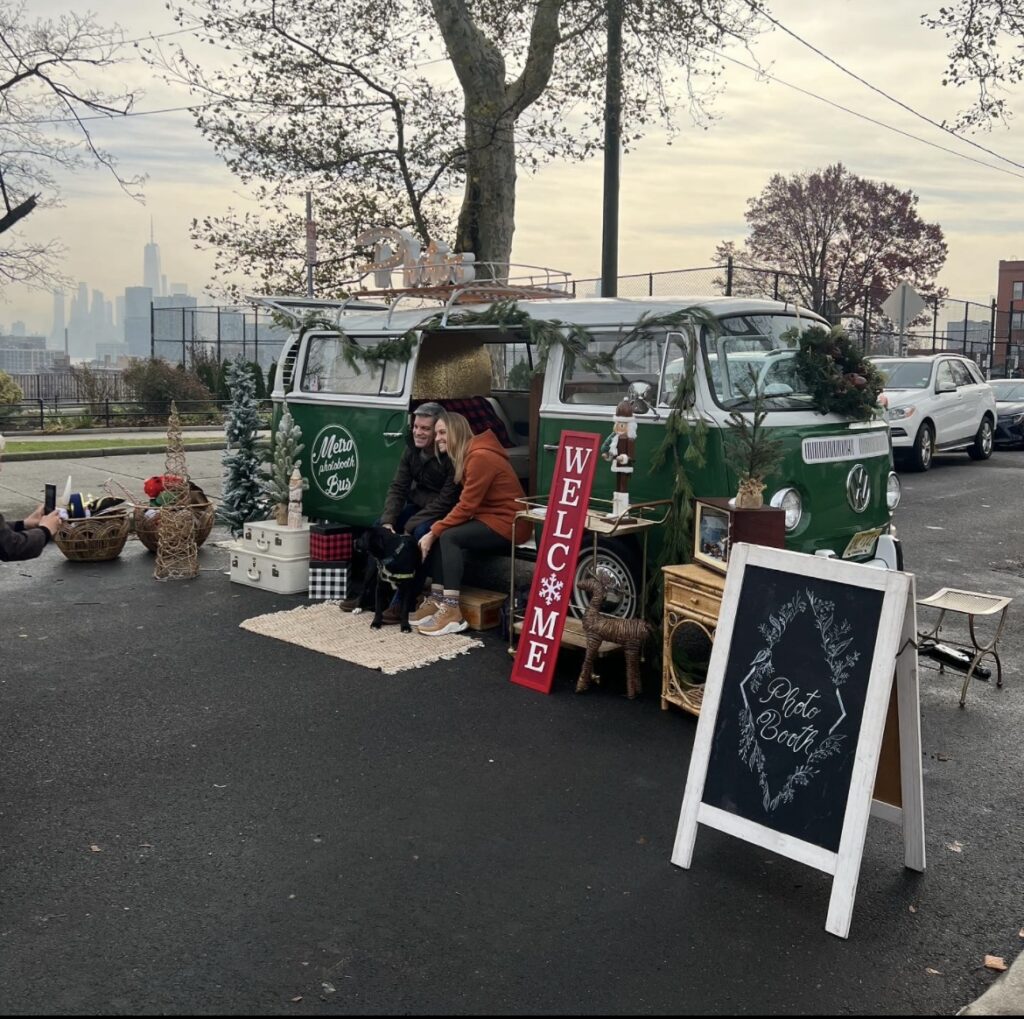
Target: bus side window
column 678, row 367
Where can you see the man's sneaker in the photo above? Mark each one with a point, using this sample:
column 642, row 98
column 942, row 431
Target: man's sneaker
column 447, row 619
column 424, row 615
column 349, row 604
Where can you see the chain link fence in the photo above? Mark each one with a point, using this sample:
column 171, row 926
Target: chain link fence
column 185, row 335
column 991, row 337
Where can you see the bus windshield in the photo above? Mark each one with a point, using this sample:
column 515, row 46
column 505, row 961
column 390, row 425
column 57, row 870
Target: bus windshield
column 753, row 354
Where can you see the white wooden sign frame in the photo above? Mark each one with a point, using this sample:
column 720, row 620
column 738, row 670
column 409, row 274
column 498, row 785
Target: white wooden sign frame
column 897, row 624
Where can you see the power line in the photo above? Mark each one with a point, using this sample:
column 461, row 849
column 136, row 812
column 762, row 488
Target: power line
column 871, row 120
column 874, row 88
column 129, row 113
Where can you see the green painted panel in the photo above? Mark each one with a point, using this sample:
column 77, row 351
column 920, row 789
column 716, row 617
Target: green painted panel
column 348, row 458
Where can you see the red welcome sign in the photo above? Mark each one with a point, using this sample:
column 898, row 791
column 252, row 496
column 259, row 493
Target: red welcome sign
column 564, row 524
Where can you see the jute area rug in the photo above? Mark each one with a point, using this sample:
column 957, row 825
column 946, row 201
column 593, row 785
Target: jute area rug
column 325, row 628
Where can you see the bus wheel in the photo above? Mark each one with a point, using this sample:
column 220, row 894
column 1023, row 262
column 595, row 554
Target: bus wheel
column 620, row 561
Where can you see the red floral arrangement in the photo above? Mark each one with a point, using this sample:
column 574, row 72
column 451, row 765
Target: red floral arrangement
column 157, row 487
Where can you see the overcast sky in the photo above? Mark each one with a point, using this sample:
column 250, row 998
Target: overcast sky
column 677, row 202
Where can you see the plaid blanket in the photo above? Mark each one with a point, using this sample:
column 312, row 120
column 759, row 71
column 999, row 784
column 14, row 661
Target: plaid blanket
column 478, row 411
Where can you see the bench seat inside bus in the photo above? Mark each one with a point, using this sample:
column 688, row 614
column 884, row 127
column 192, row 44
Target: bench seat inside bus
column 483, row 412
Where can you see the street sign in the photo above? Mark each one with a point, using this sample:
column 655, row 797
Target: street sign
column 903, row 305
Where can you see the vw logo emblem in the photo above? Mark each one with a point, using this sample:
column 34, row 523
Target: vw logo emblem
column 858, row 489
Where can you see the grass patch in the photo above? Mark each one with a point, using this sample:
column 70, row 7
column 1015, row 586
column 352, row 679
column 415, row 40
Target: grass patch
column 73, row 445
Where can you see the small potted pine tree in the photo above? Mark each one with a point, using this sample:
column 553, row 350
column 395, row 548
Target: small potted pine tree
column 750, row 451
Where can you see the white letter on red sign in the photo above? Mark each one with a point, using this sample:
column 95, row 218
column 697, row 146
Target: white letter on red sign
column 539, row 627
column 551, row 551
column 571, row 491
column 576, row 459
column 534, row 660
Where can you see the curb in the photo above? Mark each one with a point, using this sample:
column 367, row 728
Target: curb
column 77, row 454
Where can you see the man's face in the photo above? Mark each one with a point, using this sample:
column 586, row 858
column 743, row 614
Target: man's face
column 423, row 432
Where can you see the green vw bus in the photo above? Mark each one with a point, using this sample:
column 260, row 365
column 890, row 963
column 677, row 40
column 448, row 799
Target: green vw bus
column 834, row 482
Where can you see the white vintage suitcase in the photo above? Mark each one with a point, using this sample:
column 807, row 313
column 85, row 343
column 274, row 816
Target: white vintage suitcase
column 270, row 573
column 271, row 538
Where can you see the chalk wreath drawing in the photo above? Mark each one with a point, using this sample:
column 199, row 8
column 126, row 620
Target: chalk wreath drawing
column 834, row 645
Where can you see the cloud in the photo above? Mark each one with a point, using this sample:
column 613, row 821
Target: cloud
column 677, row 201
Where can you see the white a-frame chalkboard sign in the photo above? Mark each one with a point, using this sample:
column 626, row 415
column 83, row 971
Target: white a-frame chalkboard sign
column 794, row 708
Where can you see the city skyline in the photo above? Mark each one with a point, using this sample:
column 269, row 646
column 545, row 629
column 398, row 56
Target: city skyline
column 677, row 202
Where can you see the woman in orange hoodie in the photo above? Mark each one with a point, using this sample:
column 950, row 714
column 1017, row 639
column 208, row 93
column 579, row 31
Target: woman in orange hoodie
column 483, row 520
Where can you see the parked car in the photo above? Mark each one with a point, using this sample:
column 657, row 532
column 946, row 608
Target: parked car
column 1009, row 412
column 937, row 403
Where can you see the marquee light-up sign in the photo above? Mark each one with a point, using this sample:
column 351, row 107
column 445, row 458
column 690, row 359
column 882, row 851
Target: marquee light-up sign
column 433, row 266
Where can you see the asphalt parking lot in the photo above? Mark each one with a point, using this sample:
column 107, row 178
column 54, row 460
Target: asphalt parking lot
column 198, row 820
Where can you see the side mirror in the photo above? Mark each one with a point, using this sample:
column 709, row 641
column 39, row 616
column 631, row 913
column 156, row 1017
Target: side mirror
column 945, row 387
column 641, row 395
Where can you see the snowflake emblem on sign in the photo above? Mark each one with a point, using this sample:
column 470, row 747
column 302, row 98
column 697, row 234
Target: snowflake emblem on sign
column 551, row 589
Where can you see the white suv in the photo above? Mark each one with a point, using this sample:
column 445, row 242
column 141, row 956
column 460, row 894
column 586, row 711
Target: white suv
column 937, row 403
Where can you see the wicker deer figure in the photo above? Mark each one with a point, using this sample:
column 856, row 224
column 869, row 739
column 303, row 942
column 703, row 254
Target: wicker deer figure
column 630, row 633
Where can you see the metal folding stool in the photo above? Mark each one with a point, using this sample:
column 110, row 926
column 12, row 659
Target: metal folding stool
column 970, row 604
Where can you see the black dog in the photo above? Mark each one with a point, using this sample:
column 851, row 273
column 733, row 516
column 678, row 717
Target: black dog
column 399, row 568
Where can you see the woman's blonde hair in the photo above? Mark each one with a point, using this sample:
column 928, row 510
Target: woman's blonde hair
column 459, row 434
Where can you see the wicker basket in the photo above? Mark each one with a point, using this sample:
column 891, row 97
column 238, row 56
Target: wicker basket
column 148, row 528
column 94, row 539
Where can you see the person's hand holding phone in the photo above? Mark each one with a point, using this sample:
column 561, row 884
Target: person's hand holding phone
column 51, row 521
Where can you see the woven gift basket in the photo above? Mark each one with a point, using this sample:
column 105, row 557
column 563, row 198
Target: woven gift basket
column 94, row 539
column 147, row 527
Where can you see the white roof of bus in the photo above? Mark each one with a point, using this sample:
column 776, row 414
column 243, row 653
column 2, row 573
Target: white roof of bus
column 590, row 312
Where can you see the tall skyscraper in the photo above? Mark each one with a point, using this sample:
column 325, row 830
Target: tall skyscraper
column 57, row 329
column 137, row 323
column 151, row 265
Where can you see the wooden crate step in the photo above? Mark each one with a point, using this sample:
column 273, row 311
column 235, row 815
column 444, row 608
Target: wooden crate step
column 480, row 608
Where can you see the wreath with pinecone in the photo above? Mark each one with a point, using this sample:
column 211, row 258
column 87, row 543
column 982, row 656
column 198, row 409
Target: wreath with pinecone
column 840, row 379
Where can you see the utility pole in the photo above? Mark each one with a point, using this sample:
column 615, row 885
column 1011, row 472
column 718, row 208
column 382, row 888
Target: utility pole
column 612, row 140
column 310, row 243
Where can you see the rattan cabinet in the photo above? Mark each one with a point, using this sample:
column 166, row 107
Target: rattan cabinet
column 693, row 598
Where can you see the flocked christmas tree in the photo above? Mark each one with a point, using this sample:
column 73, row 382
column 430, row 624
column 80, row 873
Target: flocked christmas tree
column 243, row 498
column 287, row 447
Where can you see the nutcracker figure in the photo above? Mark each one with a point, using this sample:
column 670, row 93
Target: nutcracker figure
column 619, row 449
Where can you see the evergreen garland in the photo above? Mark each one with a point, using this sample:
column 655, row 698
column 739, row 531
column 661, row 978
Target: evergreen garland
column 397, row 350
column 840, row 379
column 287, row 447
column 691, row 435
column 243, row 495
column 541, row 333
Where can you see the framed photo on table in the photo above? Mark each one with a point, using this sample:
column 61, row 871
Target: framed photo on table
column 717, row 526
column 711, row 535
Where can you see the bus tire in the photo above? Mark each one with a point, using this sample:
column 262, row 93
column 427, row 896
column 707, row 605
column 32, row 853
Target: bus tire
column 621, row 560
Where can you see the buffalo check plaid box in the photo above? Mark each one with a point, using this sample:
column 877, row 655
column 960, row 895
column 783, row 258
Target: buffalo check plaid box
column 329, row 581
column 330, row 543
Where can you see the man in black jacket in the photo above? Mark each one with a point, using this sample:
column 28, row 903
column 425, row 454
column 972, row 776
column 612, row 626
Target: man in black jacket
column 423, row 489
column 422, row 492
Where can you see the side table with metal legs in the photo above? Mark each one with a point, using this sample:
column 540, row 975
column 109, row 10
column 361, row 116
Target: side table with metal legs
column 970, row 604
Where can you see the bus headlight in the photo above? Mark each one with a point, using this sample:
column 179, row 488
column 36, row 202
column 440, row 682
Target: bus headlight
column 788, row 499
column 893, row 492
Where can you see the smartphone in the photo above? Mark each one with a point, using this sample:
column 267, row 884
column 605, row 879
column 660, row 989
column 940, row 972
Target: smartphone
column 50, row 499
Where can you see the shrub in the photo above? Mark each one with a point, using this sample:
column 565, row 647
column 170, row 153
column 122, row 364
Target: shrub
column 10, row 391
column 156, row 383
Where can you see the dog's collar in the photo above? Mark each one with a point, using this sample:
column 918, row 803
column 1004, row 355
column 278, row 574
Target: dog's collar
column 390, row 576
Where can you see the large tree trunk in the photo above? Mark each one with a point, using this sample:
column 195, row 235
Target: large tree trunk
column 487, row 218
